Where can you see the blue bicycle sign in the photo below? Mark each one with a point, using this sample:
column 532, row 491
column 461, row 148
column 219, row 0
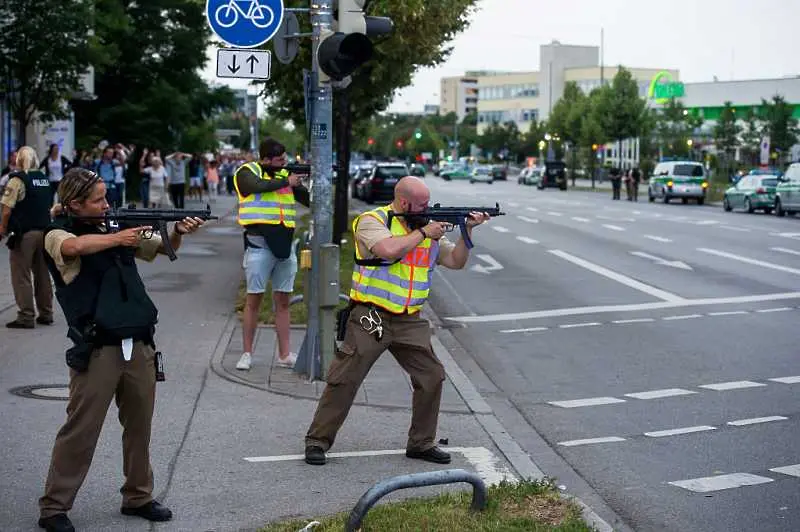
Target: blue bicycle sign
column 244, row 23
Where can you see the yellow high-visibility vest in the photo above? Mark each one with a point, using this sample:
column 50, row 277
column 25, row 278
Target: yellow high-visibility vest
column 400, row 287
column 276, row 207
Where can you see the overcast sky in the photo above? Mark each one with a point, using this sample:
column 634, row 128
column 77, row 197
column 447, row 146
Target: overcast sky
column 732, row 39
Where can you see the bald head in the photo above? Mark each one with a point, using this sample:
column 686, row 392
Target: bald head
column 411, row 194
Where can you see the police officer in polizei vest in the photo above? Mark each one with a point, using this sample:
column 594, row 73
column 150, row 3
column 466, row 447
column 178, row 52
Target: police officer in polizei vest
column 25, row 214
column 111, row 322
column 267, row 193
column 391, row 281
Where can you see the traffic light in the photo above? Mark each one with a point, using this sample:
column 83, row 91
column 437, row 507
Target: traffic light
column 341, row 53
column 594, row 147
column 370, row 141
column 399, row 144
column 418, row 134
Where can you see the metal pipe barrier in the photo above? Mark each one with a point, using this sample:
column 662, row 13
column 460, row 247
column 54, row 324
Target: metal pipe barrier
column 417, row 480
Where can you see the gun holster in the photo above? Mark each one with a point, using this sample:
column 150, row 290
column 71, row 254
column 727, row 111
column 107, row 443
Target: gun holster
column 79, row 355
column 342, row 317
column 13, row 241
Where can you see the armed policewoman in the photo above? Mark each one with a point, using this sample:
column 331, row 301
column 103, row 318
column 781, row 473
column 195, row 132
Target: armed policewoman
column 395, row 259
column 111, row 322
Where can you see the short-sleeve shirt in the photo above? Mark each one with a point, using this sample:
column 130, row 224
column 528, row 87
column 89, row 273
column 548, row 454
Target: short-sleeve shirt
column 13, row 193
column 370, row 231
column 70, row 267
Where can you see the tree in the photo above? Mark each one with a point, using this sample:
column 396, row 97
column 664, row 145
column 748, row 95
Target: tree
column 567, row 121
column 726, row 136
column 673, row 129
column 149, row 92
column 46, row 48
column 779, row 124
column 751, row 137
column 421, row 36
column 620, row 108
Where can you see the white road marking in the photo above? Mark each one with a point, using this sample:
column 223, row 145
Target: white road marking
column 756, row 420
column 702, row 222
column 630, row 307
column 676, row 432
column 636, row 212
column 614, row 218
column 748, row 260
column 552, row 213
column 529, row 220
column 791, row 470
column 684, row 317
column 662, row 262
column 512, row 204
column 793, row 236
column 493, row 265
column 733, row 385
column 777, row 309
column 734, row 228
column 635, row 320
column 729, row 313
column 622, row 279
column 658, row 394
column 591, row 401
column 720, row 482
column 786, row 250
column 613, row 227
column 577, row 325
column 532, row 209
column 573, row 443
column 658, row 238
column 527, row 240
column 528, row 330
column 486, row 464
column 500, row 228
column 579, row 219
column 786, row 380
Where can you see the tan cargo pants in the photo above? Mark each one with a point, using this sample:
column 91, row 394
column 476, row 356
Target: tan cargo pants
column 90, row 392
column 408, row 338
column 25, row 259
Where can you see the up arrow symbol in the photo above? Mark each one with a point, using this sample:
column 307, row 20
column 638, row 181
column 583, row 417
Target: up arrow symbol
column 252, row 60
column 233, row 68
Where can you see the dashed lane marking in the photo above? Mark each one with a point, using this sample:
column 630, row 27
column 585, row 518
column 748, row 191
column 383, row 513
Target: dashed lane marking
column 500, row 229
column 553, row 213
column 513, row 204
column 658, row 238
column 613, row 227
column 526, row 330
column 756, row 420
column 777, row 309
column 527, row 240
column 579, row 325
column 786, row 250
column 720, row 482
column 659, row 394
column 791, row 470
column 683, row 317
column 591, row 401
column 786, row 380
column 728, row 313
column 529, row 220
column 634, row 320
column 676, row 432
column 579, row 219
column 608, row 439
column 733, row 385
column 734, row 228
column 532, row 209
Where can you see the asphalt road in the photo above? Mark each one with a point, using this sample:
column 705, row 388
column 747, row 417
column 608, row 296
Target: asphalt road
column 653, row 347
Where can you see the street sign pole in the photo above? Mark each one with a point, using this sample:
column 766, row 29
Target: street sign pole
column 319, row 340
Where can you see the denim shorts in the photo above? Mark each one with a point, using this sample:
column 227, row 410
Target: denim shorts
column 261, row 266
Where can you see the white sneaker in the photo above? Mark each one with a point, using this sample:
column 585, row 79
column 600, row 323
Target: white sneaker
column 287, row 362
column 244, row 362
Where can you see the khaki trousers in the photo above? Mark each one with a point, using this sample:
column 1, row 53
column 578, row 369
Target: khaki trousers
column 25, row 259
column 90, row 392
column 408, row 338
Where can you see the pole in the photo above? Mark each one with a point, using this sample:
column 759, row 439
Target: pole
column 343, row 126
column 315, row 344
column 602, row 70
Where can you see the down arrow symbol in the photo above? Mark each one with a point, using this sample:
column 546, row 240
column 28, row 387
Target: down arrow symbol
column 233, row 68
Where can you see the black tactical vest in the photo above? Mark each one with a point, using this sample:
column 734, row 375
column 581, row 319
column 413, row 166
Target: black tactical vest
column 33, row 212
column 108, row 295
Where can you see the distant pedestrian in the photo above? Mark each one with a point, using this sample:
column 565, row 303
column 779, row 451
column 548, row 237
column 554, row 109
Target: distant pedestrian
column 636, row 176
column 615, row 175
column 176, row 170
column 54, row 167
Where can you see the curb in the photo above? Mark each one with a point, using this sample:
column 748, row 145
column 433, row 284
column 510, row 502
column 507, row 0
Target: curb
column 516, row 456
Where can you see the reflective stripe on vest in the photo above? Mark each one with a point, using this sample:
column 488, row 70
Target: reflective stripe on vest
column 276, row 207
column 403, row 286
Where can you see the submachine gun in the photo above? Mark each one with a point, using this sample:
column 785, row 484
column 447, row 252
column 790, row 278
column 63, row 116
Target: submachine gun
column 156, row 218
column 455, row 216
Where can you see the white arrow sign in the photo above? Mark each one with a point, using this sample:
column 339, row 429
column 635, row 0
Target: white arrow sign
column 243, row 64
column 663, row 262
column 493, row 265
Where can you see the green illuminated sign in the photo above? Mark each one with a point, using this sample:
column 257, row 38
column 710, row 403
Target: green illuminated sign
column 662, row 91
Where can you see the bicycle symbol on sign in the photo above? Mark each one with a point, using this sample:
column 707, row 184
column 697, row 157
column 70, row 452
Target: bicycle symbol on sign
column 227, row 15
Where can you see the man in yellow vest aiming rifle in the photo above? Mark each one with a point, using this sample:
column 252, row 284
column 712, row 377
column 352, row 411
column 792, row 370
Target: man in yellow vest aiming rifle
column 267, row 194
column 395, row 258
